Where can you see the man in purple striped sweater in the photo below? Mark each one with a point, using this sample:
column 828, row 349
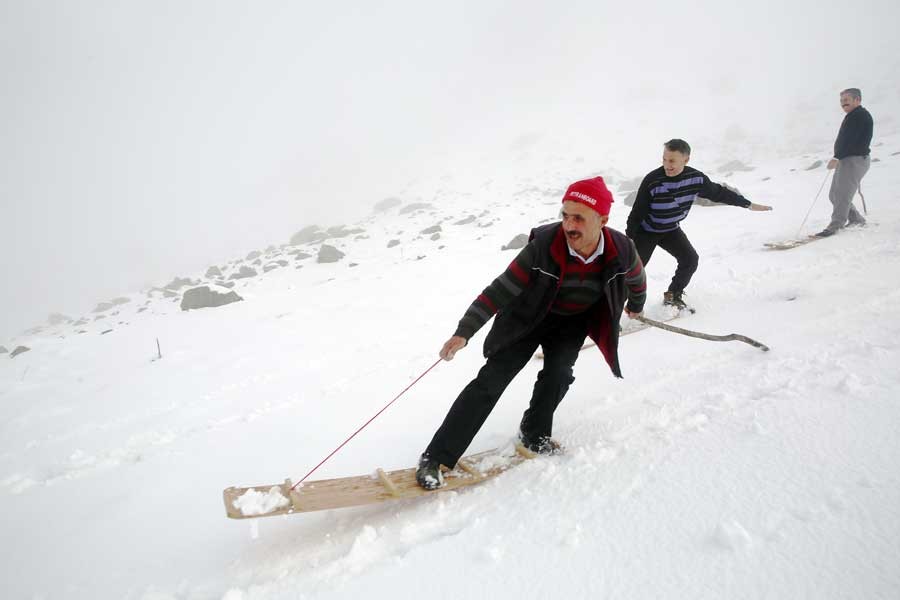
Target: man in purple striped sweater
column 663, row 200
column 572, row 280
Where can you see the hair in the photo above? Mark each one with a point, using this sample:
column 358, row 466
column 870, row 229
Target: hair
column 854, row 93
column 676, row 145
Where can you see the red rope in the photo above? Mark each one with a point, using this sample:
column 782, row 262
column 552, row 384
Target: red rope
column 366, row 423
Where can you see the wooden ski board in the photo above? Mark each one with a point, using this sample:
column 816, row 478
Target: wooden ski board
column 787, row 245
column 378, row 487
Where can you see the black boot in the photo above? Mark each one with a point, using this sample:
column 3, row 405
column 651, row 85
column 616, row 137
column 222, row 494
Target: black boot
column 428, row 473
column 674, row 298
column 543, row 444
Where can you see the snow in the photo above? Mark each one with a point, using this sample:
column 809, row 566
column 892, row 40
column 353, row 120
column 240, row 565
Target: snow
column 713, row 470
column 254, row 502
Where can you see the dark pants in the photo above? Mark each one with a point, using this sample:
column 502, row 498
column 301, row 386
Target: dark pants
column 561, row 338
column 676, row 244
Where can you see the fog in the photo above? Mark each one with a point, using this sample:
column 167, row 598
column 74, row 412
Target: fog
column 145, row 140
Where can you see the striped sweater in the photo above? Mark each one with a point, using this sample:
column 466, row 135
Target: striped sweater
column 662, row 202
column 581, row 286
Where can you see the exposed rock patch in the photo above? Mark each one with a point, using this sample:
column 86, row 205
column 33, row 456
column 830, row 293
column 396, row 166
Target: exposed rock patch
column 329, row 254
column 19, row 350
column 205, row 297
column 244, row 272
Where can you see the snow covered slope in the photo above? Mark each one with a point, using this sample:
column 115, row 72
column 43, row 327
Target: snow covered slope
column 712, row 470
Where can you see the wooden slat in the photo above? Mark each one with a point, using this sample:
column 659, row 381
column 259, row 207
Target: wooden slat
column 381, row 486
column 386, row 481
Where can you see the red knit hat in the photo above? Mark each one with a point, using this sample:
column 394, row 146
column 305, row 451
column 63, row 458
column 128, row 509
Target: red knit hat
column 592, row 193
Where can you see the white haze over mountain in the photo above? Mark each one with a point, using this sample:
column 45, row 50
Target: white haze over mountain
column 145, row 140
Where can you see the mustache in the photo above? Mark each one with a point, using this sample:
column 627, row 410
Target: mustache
column 573, row 234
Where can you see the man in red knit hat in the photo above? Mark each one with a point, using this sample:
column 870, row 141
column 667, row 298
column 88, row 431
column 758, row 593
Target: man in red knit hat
column 572, row 280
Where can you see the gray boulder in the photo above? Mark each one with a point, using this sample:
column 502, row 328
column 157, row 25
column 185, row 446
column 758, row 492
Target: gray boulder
column 204, row 297
column 329, row 254
column 253, row 255
column 311, row 233
column 178, row 283
column 430, row 230
column 244, row 272
column 517, row 242
column 814, row 166
column 3, row 350
column 340, row 231
column 102, row 307
column 19, row 350
column 270, row 266
column 213, row 272
column 466, row 221
column 393, row 243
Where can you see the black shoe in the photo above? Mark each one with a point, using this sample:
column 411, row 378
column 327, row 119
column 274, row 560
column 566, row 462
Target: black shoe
column 428, row 473
column 543, row 444
column 825, row 233
column 672, row 298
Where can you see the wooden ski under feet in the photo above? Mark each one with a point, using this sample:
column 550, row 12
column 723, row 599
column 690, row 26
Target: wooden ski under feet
column 789, row 244
column 380, row 486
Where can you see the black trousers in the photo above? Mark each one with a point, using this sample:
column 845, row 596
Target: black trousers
column 561, row 338
column 675, row 243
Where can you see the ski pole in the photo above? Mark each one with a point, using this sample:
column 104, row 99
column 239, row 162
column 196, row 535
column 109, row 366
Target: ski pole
column 344, row 443
column 705, row 336
column 865, row 210
column 827, row 173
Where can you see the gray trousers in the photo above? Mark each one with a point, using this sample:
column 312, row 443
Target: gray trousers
column 849, row 173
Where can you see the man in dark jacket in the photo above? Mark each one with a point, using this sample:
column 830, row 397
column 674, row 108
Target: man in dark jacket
column 663, row 200
column 571, row 281
column 851, row 161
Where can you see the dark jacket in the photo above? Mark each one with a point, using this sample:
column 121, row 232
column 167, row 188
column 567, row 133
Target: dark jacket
column 855, row 134
column 528, row 308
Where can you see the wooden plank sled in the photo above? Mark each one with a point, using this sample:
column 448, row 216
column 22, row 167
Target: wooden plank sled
column 280, row 499
column 788, row 244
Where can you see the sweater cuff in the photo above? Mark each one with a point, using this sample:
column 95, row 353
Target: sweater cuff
column 464, row 332
column 635, row 308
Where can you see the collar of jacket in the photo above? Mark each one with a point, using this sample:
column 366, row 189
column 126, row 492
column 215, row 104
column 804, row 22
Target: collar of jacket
column 559, row 250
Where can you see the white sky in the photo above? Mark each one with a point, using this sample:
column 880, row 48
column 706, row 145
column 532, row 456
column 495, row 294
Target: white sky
column 145, row 140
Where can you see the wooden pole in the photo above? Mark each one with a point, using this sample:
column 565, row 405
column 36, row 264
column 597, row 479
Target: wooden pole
column 705, row 336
